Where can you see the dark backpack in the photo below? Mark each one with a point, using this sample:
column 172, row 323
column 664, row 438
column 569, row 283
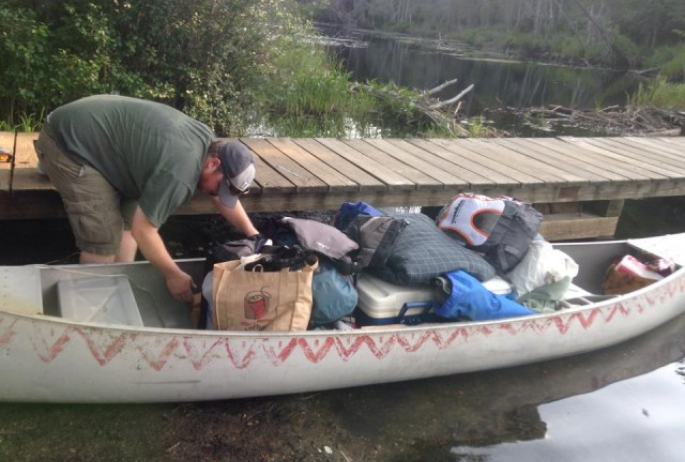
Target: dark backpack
column 376, row 237
column 348, row 211
column 504, row 227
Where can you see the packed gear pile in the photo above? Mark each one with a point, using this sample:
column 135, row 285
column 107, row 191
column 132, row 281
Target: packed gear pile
column 481, row 259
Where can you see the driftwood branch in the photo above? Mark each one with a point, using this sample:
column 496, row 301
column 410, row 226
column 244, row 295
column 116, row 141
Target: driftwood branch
column 430, row 108
column 440, row 87
column 456, row 111
column 442, row 104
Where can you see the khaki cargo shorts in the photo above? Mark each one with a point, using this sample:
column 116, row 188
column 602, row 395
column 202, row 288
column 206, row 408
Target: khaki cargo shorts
column 97, row 212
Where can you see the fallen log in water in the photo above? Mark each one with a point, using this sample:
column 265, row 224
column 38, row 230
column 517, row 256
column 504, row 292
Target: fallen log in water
column 441, row 104
column 424, row 102
column 645, row 121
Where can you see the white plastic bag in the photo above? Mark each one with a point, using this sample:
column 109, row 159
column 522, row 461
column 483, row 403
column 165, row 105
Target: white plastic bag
column 542, row 265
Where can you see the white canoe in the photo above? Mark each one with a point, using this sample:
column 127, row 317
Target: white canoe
column 47, row 358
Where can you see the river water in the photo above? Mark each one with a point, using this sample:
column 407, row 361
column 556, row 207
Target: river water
column 499, row 82
column 620, row 404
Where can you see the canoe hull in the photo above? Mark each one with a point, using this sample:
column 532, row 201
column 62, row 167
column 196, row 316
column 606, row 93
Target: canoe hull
column 49, row 359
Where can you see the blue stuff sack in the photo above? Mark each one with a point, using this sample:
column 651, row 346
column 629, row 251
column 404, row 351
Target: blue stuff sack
column 470, row 299
column 334, row 294
column 349, row 210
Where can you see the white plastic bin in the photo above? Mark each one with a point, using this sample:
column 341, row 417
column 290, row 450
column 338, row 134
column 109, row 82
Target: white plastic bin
column 107, row 300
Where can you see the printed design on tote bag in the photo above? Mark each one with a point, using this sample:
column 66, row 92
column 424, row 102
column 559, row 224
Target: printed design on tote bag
column 257, row 304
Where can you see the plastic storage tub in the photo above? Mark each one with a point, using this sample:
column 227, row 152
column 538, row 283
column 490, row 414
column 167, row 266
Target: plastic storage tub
column 382, row 303
column 106, row 300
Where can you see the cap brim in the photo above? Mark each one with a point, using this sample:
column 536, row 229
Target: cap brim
column 226, row 196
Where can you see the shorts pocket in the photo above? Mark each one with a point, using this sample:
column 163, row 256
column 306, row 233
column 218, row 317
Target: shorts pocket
column 97, row 227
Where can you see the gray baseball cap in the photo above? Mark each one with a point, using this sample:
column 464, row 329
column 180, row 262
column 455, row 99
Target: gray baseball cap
column 239, row 171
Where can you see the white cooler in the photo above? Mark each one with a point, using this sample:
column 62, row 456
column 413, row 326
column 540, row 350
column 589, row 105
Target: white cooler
column 382, row 303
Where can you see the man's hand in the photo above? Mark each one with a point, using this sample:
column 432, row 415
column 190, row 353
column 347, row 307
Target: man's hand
column 259, row 241
column 152, row 247
column 181, row 286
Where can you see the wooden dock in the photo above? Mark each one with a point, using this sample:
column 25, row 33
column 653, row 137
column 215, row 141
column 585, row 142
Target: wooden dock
column 578, row 183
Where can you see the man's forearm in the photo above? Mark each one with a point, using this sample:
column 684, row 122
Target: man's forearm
column 150, row 243
column 152, row 246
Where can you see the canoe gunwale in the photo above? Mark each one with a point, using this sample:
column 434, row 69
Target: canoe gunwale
column 326, row 333
column 567, row 310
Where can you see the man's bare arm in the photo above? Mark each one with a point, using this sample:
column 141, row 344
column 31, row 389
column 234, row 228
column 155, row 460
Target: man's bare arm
column 153, row 249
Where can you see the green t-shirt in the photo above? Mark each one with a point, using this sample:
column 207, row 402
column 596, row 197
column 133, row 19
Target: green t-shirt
column 148, row 151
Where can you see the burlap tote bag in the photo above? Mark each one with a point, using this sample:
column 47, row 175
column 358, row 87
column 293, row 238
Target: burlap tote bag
column 262, row 300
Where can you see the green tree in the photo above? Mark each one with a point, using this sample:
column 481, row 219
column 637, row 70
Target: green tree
column 205, row 57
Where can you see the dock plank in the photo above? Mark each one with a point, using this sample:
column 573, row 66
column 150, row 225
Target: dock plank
column 657, row 163
column 302, row 179
column 437, row 177
column 25, row 162
column 677, row 140
column 454, row 175
column 391, row 178
column 658, row 146
column 332, row 178
column 573, row 172
column 484, row 156
column 25, row 155
column 450, row 154
column 616, row 160
column 609, row 165
column 397, row 162
column 531, row 166
column 346, row 168
column 578, row 157
column 7, row 143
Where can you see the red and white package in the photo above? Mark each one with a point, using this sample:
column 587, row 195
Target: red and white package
column 627, row 275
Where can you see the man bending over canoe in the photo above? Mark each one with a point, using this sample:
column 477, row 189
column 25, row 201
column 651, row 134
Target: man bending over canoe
column 123, row 165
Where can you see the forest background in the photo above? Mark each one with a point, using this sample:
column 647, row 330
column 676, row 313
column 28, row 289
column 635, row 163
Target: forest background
column 622, row 34
column 237, row 64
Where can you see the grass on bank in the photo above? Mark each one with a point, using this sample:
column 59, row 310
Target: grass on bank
column 305, row 94
column 557, row 47
column 659, row 93
column 308, row 94
column 25, row 123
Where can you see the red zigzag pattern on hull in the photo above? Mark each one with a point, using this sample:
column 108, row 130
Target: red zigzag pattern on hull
column 49, row 341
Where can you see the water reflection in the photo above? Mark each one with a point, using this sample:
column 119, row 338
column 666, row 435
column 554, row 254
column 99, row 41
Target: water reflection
column 498, row 83
column 635, row 420
column 621, row 403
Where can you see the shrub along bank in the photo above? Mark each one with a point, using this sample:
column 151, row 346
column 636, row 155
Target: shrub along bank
column 203, row 57
column 234, row 64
